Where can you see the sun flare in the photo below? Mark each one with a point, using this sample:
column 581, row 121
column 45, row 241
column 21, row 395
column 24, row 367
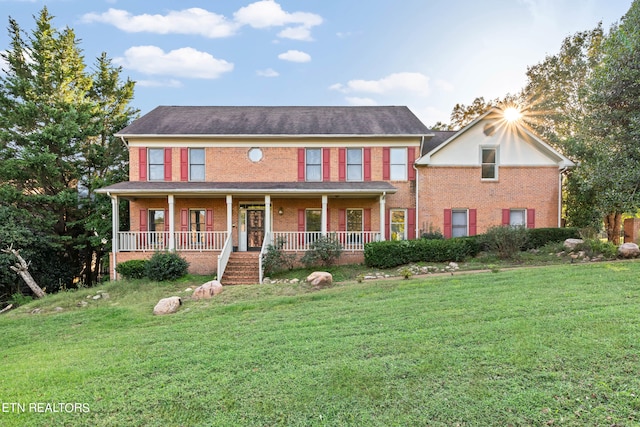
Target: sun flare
column 512, row 114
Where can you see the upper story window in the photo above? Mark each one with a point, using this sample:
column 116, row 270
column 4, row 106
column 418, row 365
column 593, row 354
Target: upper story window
column 196, row 164
column 354, row 164
column 398, row 164
column 313, row 164
column 489, row 163
column 156, row 164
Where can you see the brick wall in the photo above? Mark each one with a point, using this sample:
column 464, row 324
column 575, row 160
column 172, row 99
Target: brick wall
column 461, row 187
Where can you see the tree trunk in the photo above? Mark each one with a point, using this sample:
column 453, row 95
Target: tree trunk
column 22, row 268
column 612, row 223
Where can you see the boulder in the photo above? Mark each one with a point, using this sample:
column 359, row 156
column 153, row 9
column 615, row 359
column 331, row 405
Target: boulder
column 572, row 243
column 167, row 305
column 628, row 250
column 320, row 279
column 207, row 290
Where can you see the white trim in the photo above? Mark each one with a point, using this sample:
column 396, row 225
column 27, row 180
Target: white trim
column 260, row 143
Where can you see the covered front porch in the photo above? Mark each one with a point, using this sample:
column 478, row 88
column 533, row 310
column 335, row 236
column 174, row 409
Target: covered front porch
column 207, row 222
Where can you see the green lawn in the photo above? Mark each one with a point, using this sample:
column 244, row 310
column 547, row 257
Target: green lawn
column 555, row 345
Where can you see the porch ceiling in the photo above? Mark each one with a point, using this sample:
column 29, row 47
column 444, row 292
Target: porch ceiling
column 221, row 189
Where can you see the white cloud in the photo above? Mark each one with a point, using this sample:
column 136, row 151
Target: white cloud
column 444, row 85
column 295, row 56
column 269, row 72
column 268, row 13
column 159, row 83
column 262, row 14
column 416, row 83
column 184, row 62
column 353, row 100
column 188, row 21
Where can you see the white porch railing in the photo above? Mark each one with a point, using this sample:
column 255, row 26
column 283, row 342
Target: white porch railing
column 266, row 242
column 144, row 241
column 223, row 258
column 300, row 240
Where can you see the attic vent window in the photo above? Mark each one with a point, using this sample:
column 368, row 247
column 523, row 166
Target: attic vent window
column 255, row 155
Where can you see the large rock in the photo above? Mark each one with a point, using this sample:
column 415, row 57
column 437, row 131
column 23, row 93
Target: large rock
column 207, row 290
column 572, row 243
column 628, row 250
column 167, row 305
column 320, row 279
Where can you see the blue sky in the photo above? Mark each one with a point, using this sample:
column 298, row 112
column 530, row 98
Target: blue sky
column 426, row 54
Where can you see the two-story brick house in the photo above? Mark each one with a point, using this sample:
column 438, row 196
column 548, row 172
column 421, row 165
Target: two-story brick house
column 218, row 183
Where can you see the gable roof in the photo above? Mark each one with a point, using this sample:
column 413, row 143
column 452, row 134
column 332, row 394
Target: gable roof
column 443, row 138
column 277, row 121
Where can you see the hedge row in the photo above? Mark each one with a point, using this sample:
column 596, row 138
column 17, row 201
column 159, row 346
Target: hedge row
column 388, row 254
column 161, row 266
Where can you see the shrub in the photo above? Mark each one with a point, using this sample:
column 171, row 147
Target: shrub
column 275, row 259
column 506, row 241
column 165, row 266
column 132, row 269
column 324, row 251
column 596, row 247
column 538, row 237
column 388, row 254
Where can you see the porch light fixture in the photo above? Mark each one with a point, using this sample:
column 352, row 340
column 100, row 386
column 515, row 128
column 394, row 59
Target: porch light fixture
column 280, row 211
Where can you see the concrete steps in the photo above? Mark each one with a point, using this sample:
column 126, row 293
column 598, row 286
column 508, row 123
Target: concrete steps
column 242, row 269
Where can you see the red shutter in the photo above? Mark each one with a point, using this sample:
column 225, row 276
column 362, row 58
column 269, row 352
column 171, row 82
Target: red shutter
column 167, row 164
column 387, row 221
column 209, row 220
column 386, row 163
column 367, row 164
column 447, row 224
column 411, row 223
column 184, row 219
column 367, row 219
column 142, row 163
column 143, row 220
column 166, row 220
column 473, row 221
column 184, row 164
column 411, row 158
column 326, row 162
column 531, row 218
column 301, row 227
column 301, row 164
column 328, row 220
column 342, row 220
column 506, row 217
column 342, row 164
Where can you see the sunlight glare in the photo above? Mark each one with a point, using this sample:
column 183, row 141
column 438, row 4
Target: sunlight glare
column 512, row 114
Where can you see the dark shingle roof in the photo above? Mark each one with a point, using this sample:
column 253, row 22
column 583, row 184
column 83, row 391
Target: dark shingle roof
column 265, row 121
column 439, row 136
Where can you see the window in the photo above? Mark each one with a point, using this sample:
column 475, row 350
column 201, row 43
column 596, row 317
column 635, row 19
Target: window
column 518, row 217
column 397, row 224
column 156, row 226
column 398, row 164
column 313, row 164
column 313, row 224
column 196, row 164
column 354, row 164
column 459, row 226
column 156, row 164
column 196, row 225
column 489, row 164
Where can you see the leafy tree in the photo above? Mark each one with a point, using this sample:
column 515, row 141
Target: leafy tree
column 56, row 122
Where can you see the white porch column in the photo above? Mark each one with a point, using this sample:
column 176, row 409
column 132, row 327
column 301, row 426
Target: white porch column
column 323, row 216
column 267, row 214
column 172, row 228
column 383, row 226
column 115, row 227
column 229, row 214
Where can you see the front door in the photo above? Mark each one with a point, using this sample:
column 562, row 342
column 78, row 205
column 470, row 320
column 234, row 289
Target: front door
column 255, row 229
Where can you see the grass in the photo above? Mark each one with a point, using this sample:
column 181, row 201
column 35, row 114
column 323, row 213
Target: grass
column 553, row 345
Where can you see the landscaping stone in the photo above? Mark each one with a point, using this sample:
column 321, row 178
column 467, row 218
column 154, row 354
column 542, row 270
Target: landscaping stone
column 628, row 250
column 572, row 243
column 207, row 290
column 320, row 279
column 167, row 306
